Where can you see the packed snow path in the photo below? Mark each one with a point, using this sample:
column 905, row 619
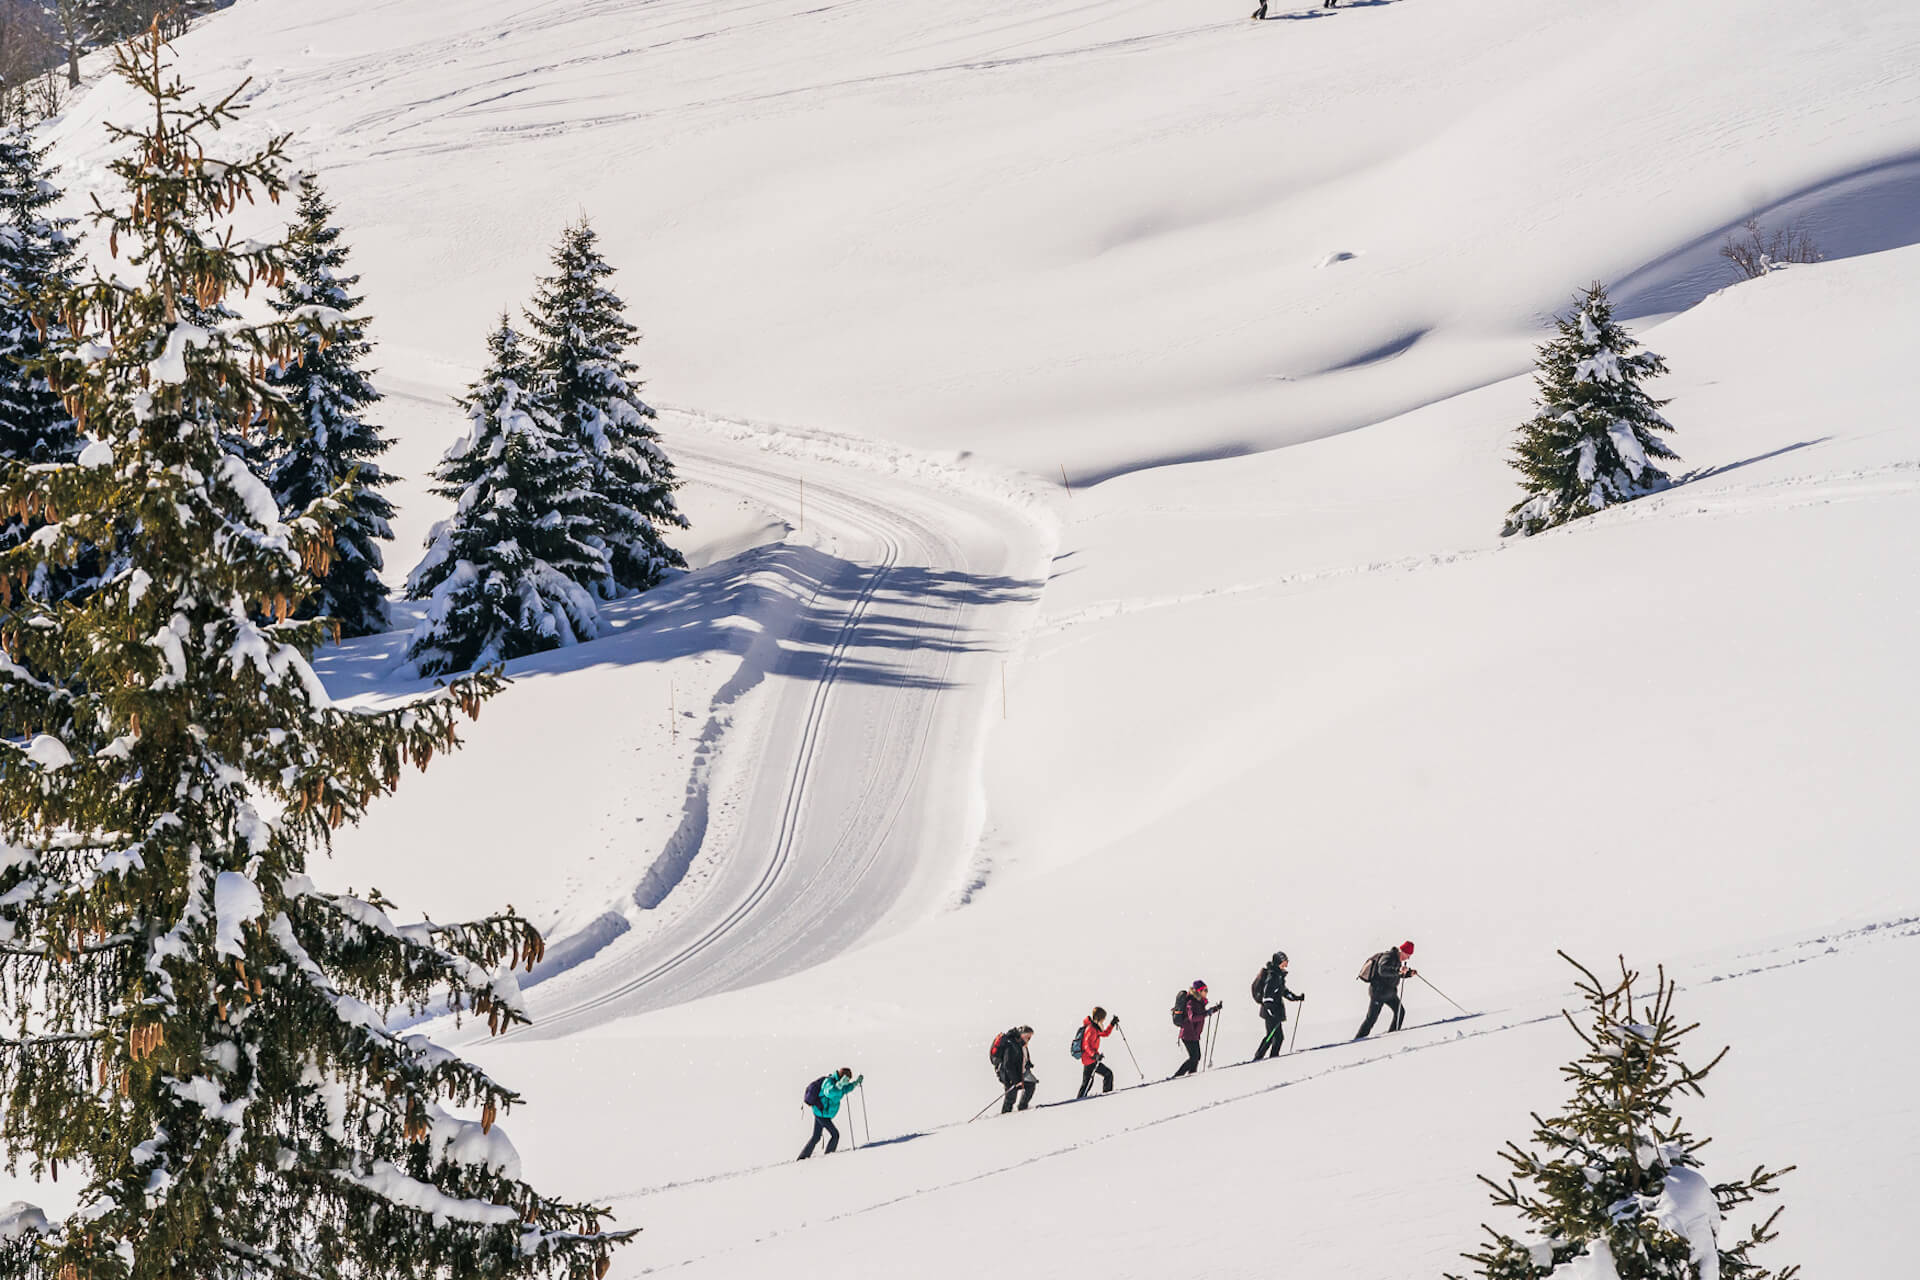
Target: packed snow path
column 849, row 799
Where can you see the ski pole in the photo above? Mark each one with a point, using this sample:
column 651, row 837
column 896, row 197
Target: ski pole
column 1302, row 1017
column 999, row 1097
column 1129, row 1048
column 1444, row 996
column 866, row 1120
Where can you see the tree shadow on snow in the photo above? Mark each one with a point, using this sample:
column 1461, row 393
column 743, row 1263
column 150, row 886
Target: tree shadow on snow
column 848, row 621
column 1706, row 473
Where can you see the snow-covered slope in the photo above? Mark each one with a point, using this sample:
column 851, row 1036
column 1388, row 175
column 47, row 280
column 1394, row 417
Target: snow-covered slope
column 1090, row 235
column 1265, row 677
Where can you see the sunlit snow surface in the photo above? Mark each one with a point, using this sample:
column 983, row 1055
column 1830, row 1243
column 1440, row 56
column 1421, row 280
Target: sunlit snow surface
column 1293, row 693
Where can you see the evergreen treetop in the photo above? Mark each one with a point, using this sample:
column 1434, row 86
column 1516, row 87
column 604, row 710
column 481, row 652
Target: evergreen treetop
column 503, row 574
column 1613, row 1184
column 583, row 336
column 336, row 445
column 1595, row 439
column 193, row 1026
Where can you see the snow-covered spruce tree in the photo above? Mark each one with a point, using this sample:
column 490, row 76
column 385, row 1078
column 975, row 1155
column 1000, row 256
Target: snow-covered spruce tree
column 582, row 334
column 1613, row 1188
column 1594, row 441
column 187, row 1022
column 35, row 256
column 335, row 445
column 502, row 576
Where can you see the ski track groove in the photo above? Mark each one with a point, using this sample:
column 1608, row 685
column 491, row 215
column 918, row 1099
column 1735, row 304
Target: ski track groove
column 812, row 887
column 793, row 805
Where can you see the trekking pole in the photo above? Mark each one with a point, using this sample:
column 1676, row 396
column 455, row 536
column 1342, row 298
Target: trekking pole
column 1136, row 1062
column 1444, row 996
column 999, row 1097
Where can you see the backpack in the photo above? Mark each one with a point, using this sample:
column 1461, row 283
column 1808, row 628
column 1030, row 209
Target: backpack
column 813, row 1092
column 1260, row 983
column 993, row 1054
column 1080, row 1043
column 1180, row 1010
column 1371, row 969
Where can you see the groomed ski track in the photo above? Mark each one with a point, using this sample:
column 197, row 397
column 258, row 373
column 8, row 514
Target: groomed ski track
column 847, row 800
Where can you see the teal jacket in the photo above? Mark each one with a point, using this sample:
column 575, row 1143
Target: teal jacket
column 831, row 1091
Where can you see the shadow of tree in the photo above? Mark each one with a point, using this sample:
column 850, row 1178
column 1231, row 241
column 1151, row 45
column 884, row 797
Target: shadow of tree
column 846, row 618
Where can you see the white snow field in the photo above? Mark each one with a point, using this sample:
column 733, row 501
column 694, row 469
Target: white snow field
column 927, row 745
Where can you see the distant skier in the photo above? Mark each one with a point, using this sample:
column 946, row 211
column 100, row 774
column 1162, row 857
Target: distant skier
column 1383, row 975
column 1093, row 1030
column 1013, row 1063
column 823, row 1099
column 1190, row 1014
column 1270, row 989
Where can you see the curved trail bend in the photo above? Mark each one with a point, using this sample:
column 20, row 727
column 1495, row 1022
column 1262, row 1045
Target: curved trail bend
column 848, row 800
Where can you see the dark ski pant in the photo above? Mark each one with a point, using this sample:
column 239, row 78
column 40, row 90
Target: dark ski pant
column 1192, row 1064
column 822, row 1125
column 1021, row 1092
column 1261, row 12
column 1276, row 1035
column 1389, row 1001
column 1086, row 1078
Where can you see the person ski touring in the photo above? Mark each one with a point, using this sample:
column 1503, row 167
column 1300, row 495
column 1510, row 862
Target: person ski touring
column 1190, row 1014
column 1093, row 1029
column 1270, row 989
column 823, row 1099
column 1013, row 1063
column 1383, row 975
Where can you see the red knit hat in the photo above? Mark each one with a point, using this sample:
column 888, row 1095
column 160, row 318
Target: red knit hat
column 1406, row 948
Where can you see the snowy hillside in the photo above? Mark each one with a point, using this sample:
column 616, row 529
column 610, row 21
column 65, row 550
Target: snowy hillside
column 929, row 743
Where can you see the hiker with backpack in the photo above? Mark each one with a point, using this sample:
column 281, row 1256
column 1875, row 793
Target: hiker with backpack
column 823, row 1099
column 1270, row 989
column 1383, row 974
column 1013, row 1063
column 1190, row 1014
column 1086, row 1047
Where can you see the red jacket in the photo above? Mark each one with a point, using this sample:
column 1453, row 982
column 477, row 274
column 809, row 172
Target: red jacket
column 1090, row 1038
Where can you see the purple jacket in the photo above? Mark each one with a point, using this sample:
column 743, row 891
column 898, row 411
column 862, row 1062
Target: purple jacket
column 1193, row 1016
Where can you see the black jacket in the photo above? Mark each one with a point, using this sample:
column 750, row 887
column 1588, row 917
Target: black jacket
column 1273, row 992
column 1389, row 967
column 1014, row 1057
